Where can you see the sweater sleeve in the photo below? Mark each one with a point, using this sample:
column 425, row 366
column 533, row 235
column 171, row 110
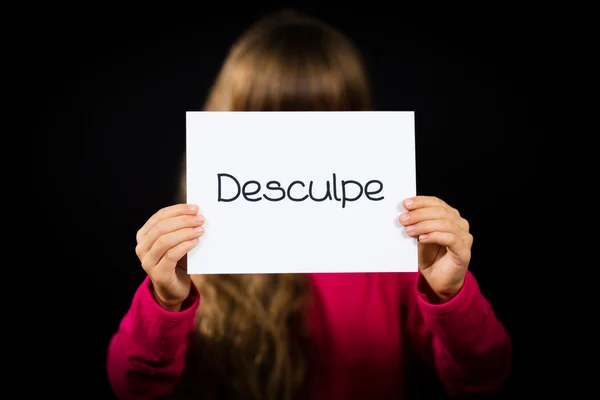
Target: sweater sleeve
column 146, row 356
column 462, row 340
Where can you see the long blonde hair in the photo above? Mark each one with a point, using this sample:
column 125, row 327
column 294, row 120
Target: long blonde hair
column 252, row 341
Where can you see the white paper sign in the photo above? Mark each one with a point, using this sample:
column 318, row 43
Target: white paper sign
column 301, row 192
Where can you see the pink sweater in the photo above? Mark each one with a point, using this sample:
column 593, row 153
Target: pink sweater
column 365, row 325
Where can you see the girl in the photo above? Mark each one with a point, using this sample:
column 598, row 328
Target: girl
column 316, row 336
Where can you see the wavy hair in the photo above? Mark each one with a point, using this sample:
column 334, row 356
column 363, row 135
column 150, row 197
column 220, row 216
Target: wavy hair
column 252, row 340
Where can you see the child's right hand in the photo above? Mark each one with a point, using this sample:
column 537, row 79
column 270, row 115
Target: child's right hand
column 161, row 243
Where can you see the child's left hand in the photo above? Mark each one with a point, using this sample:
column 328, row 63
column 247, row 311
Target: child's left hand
column 444, row 243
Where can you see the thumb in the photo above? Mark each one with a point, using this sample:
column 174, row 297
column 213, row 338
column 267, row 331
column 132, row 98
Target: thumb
column 427, row 254
column 182, row 263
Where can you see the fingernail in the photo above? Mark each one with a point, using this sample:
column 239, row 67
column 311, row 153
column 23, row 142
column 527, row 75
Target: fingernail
column 200, row 229
column 200, row 218
column 410, row 228
column 408, row 202
column 422, row 237
column 405, row 217
column 193, row 207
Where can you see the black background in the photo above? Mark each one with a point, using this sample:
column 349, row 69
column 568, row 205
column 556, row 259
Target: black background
column 106, row 91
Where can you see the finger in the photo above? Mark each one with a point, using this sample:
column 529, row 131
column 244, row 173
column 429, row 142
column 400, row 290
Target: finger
column 423, row 214
column 434, row 212
column 168, row 262
column 417, row 202
column 452, row 242
column 165, row 243
column 436, row 225
column 165, row 213
column 413, row 203
column 166, row 226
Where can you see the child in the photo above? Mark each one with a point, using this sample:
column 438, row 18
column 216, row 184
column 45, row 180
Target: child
column 315, row 336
